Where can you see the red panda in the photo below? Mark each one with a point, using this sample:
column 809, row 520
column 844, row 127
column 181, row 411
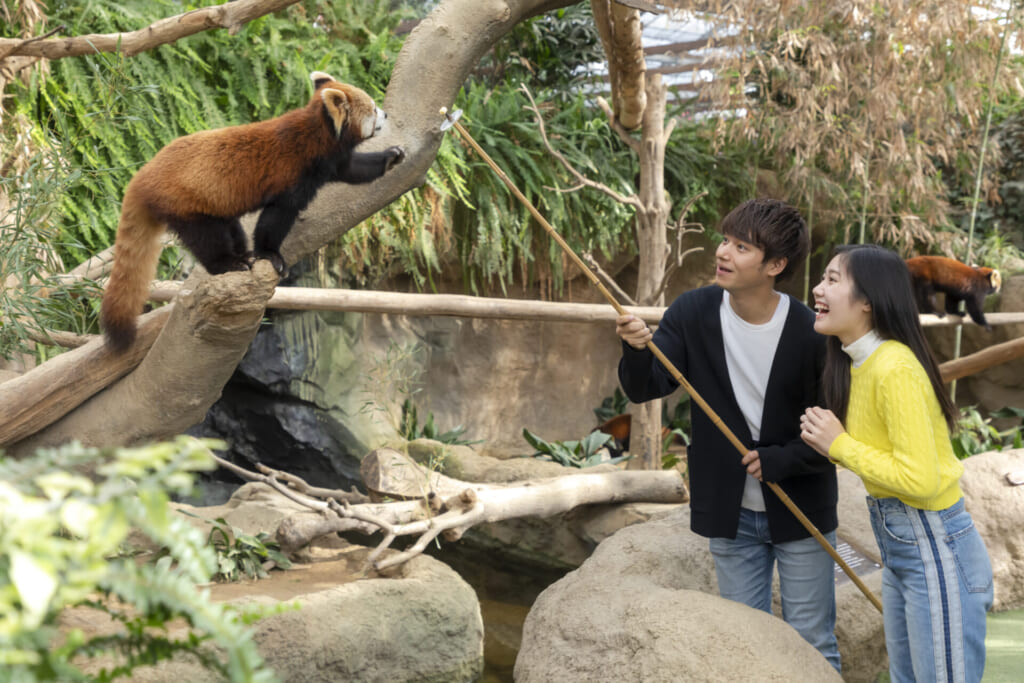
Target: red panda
column 958, row 281
column 619, row 428
column 199, row 185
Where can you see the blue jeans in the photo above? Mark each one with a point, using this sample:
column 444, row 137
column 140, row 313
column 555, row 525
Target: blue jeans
column 807, row 581
column 936, row 589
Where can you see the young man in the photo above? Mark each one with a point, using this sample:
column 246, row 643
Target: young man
column 754, row 356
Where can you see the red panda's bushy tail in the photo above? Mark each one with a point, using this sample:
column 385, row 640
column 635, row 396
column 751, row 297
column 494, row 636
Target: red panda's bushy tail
column 136, row 252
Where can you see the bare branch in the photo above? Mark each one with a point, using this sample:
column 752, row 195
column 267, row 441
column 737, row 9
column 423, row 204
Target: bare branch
column 298, row 484
column 681, row 228
column 306, row 495
column 588, row 258
column 66, row 340
column 631, row 200
column 230, row 15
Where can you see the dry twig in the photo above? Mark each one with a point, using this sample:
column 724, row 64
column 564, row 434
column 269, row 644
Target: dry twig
column 582, row 180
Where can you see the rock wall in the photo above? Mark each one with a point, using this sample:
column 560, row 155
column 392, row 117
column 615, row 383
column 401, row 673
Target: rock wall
column 319, row 390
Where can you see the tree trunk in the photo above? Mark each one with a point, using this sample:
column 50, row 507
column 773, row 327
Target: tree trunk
column 652, row 239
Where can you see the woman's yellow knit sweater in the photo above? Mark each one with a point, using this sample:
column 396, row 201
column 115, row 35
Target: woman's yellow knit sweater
column 896, row 438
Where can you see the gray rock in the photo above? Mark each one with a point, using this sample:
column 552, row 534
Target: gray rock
column 642, row 609
column 997, row 509
column 421, row 622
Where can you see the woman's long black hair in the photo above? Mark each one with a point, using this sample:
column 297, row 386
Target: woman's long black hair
column 881, row 278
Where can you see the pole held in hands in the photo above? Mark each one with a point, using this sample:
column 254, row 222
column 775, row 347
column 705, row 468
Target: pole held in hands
column 452, row 121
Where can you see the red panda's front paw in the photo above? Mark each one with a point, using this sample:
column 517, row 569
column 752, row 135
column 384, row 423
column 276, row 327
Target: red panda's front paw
column 276, row 260
column 397, row 157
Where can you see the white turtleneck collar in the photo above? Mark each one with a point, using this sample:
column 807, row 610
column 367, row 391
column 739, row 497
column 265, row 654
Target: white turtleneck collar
column 860, row 350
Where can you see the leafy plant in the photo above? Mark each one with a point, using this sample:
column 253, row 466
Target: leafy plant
column 411, row 430
column 582, row 453
column 61, row 534
column 243, row 555
column 976, row 434
column 678, row 424
column 613, row 405
column 31, row 299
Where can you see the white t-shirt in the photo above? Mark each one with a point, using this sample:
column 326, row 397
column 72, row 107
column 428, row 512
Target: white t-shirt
column 749, row 352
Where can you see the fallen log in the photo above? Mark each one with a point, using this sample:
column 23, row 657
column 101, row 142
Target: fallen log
column 433, row 504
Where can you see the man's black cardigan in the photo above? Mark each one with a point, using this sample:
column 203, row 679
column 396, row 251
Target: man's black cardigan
column 690, row 335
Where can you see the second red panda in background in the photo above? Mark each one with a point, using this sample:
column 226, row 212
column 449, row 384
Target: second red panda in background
column 958, row 281
column 199, row 185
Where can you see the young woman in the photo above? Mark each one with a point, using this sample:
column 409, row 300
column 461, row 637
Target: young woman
column 881, row 381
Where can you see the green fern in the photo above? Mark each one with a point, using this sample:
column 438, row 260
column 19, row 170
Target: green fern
column 62, row 534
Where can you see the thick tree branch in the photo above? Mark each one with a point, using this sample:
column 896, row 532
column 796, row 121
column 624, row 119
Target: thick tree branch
column 48, row 391
column 207, row 332
column 230, row 15
column 432, row 67
column 620, row 30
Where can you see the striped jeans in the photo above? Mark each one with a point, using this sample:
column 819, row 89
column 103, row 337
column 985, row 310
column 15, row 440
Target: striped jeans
column 936, row 589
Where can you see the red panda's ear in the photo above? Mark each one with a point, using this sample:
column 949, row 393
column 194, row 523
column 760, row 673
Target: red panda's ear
column 319, row 78
column 337, row 107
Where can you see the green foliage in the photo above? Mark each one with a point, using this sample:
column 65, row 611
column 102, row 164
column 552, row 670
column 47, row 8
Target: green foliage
column 669, row 459
column 977, row 434
column 551, row 51
column 613, row 405
column 61, row 533
column 678, row 423
column 410, row 429
column 241, row 555
column 31, row 257
column 583, row 453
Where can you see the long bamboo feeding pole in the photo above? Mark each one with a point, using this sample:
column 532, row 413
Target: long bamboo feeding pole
column 452, row 121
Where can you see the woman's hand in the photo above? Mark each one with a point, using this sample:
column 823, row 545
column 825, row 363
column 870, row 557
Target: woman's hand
column 819, row 427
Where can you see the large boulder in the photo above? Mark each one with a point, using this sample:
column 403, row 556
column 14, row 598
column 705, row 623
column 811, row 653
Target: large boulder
column 642, row 609
column 420, row 622
column 997, row 509
column 644, row 606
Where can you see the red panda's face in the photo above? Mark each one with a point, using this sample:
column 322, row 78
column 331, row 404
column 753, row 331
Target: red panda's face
column 348, row 105
column 995, row 280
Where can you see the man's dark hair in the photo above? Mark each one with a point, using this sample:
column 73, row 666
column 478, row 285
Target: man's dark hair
column 771, row 225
